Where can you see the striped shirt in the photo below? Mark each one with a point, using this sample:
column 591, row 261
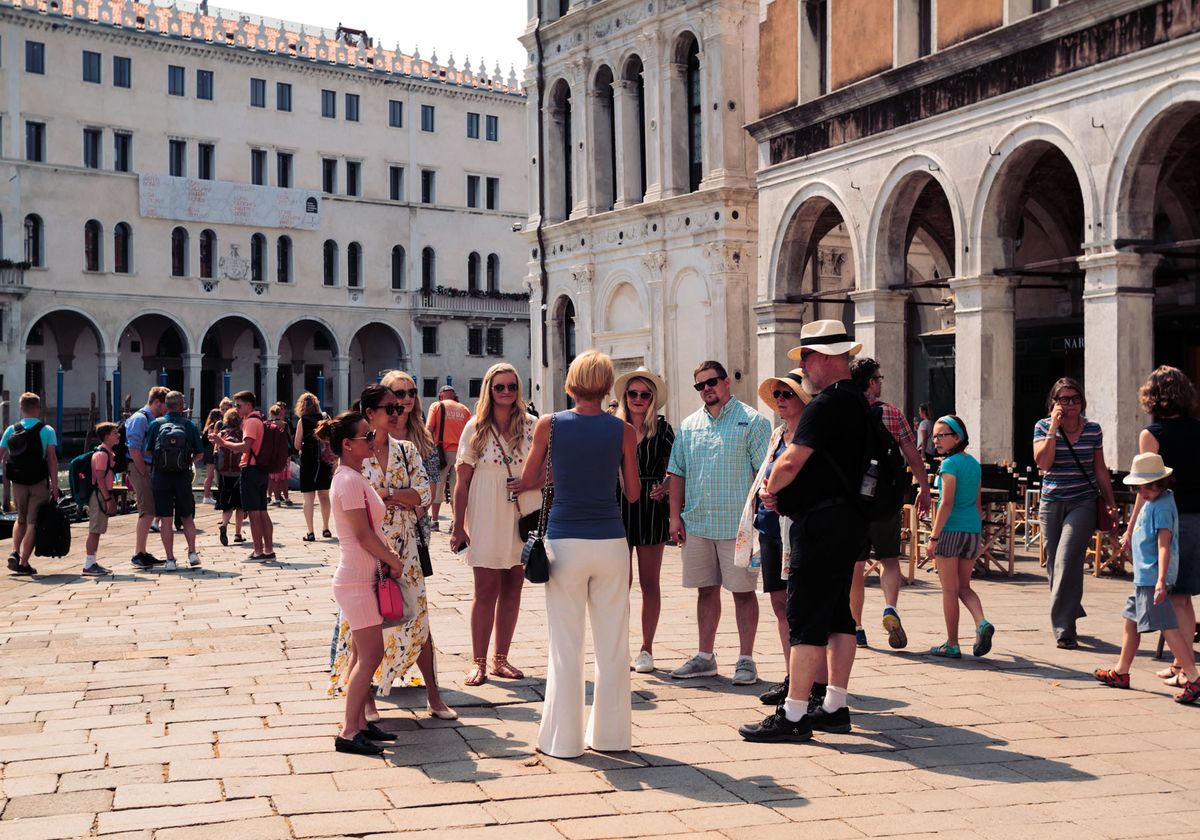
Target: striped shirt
column 718, row 457
column 1063, row 481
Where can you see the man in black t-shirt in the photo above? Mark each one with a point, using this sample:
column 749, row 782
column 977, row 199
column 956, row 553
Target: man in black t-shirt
column 815, row 483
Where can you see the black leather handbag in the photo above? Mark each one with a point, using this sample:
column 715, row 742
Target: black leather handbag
column 533, row 555
column 423, row 553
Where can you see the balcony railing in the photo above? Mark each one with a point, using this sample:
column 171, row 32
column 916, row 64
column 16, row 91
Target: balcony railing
column 464, row 304
column 12, row 278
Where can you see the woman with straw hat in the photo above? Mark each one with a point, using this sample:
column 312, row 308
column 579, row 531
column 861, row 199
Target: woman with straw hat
column 786, row 395
column 641, row 394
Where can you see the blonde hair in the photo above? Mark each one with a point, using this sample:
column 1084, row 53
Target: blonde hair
column 414, row 425
column 307, row 404
column 275, row 411
column 590, row 376
column 484, row 413
column 651, row 421
column 231, row 419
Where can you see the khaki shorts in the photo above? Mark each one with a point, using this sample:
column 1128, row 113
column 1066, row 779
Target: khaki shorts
column 710, row 563
column 143, row 489
column 447, row 478
column 97, row 518
column 27, row 498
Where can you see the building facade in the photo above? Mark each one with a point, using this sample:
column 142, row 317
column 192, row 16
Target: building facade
column 1043, row 154
column 201, row 200
column 643, row 223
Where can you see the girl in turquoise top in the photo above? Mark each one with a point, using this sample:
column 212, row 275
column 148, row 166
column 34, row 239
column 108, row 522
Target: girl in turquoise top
column 954, row 542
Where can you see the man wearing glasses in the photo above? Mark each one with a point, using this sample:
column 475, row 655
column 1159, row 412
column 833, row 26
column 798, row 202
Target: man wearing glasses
column 884, row 535
column 717, row 453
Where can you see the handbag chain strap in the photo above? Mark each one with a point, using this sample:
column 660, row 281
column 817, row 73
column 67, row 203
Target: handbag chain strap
column 547, row 485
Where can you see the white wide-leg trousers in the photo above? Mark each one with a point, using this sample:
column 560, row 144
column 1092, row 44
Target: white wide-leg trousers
column 587, row 577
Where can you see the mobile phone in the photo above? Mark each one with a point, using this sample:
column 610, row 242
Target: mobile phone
column 465, row 545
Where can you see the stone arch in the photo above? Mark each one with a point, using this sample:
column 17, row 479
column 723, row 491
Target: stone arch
column 622, row 284
column 690, row 331
column 559, row 158
column 219, row 346
column 562, row 348
column 369, row 353
column 801, row 221
column 604, row 138
column 189, row 339
column 103, row 340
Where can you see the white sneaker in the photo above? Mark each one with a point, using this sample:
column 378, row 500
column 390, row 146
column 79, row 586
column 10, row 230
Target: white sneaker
column 644, row 664
column 208, row 500
column 169, row 566
column 745, row 672
column 193, row 559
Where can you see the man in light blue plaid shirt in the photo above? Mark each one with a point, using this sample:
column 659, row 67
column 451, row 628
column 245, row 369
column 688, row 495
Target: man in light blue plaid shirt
column 717, row 453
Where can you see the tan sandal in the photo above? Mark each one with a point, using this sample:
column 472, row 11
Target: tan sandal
column 478, row 674
column 1169, row 673
column 502, row 668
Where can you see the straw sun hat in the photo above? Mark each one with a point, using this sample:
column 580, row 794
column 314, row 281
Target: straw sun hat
column 1147, row 467
column 827, row 337
column 792, row 380
column 660, row 386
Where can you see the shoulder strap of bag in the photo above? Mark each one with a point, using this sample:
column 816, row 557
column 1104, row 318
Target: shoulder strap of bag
column 547, row 485
column 441, row 423
column 503, row 451
column 1079, row 463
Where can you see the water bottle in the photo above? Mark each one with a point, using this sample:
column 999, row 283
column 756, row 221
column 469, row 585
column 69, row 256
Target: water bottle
column 870, row 481
column 755, row 561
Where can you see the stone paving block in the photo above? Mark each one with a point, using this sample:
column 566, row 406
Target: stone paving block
column 528, row 831
column 220, row 768
column 339, row 825
column 111, row 777
column 248, row 787
column 182, row 815
column 173, row 793
column 262, row 828
column 332, row 801
column 447, row 793
column 547, row 785
column 57, row 827
column 647, row 825
column 49, row 805
column 549, row 808
column 732, row 816
column 28, row 785
column 41, row 766
column 441, row 816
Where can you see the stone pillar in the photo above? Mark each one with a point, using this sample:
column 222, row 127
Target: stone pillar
column 108, row 362
column 629, row 144
column 778, row 332
column 341, row 384
column 600, row 154
column 555, row 166
column 1118, row 340
column 580, row 150
column 191, row 385
column 675, row 131
column 655, row 263
column 656, row 136
column 983, row 350
column 581, row 279
column 270, row 381
column 879, row 324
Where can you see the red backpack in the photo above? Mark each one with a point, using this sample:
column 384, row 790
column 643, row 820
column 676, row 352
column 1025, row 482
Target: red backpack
column 273, row 450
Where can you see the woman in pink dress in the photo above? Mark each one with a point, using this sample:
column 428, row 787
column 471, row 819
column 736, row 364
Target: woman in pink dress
column 358, row 514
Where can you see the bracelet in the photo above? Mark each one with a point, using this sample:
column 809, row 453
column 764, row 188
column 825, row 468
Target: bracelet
column 933, row 537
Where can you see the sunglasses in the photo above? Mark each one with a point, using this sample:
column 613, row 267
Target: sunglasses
column 639, row 395
column 708, row 383
column 369, row 437
column 392, row 408
column 877, row 378
column 511, row 387
column 1072, row 400
column 401, row 393
column 779, row 396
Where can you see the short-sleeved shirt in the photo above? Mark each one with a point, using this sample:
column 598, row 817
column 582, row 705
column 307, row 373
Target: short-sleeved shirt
column 1179, row 445
column 717, row 458
column 1156, row 515
column 964, row 515
column 102, row 474
column 1063, row 481
column 47, row 434
column 456, row 415
column 834, row 426
column 896, row 423
column 252, row 427
column 195, row 444
column 136, row 428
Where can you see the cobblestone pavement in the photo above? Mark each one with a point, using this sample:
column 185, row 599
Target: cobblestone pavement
column 192, row 704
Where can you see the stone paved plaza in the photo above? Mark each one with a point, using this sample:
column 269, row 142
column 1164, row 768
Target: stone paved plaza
column 193, row 705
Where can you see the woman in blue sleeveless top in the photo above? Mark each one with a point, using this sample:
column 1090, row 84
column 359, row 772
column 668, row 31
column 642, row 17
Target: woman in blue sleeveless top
column 589, row 562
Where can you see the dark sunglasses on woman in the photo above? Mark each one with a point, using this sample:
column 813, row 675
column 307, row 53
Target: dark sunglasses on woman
column 640, row 395
column 401, row 393
column 783, row 395
column 501, row 387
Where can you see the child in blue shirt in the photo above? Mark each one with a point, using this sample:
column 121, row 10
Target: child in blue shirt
column 1155, row 547
column 954, row 542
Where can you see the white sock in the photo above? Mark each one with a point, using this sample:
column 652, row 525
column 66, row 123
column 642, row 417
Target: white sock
column 794, row 709
column 706, row 654
column 835, row 698
column 891, row 607
column 89, row 561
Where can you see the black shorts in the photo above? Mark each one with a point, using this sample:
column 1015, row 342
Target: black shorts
column 229, row 496
column 825, row 547
column 883, row 536
column 254, row 489
column 173, row 494
column 771, row 551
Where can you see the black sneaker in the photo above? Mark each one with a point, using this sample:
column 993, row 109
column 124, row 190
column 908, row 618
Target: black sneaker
column 14, row 562
column 777, row 728
column 815, row 701
column 96, row 570
column 774, row 695
column 151, row 559
column 140, row 561
column 269, row 557
column 823, row 721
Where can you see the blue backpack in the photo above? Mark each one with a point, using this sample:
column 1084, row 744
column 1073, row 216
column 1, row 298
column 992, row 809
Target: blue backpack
column 80, row 477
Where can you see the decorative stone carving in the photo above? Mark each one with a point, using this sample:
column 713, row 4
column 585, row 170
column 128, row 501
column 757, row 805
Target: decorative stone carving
column 724, row 257
column 581, row 277
column 655, row 261
column 234, row 266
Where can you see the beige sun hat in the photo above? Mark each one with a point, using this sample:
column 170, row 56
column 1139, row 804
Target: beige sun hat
column 792, row 379
column 827, row 337
column 660, row 385
column 1147, row 467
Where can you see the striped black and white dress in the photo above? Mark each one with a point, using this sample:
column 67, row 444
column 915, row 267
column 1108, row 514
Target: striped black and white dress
column 647, row 522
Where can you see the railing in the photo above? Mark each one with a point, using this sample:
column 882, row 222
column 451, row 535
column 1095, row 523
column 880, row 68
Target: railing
column 12, row 278
column 469, row 305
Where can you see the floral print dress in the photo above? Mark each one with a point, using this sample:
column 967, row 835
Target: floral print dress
column 402, row 642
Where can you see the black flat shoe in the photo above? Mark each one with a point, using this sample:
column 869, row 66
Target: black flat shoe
column 309, row 537
column 326, row 534
column 14, row 561
column 358, row 745
column 223, row 530
column 374, row 733
column 25, row 569
column 1068, row 644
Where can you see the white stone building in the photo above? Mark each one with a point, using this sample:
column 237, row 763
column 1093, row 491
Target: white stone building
column 1044, row 153
column 643, row 222
column 200, row 194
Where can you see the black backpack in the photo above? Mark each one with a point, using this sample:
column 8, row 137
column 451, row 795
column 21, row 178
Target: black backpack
column 172, row 454
column 52, row 532
column 26, row 460
column 893, row 484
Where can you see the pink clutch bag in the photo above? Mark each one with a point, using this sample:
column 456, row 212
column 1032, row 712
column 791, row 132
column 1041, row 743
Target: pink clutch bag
column 387, row 590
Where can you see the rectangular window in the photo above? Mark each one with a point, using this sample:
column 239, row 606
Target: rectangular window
column 429, row 388
column 283, row 169
column 493, row 128
column 122, row 151
column 352, row 107
column 35, row 57
column 427, row 118
column 258, row 167
column 93, row 138
column 353, row 177
column 122, row 71
column 175, row 80
column 329, row 175
column 492, row 201
column 474, row 388
column 429, row 340
column 206, row 162
column 395, row 113
column 475, row 341
column 35, row 141
column 177, row 158
column 495, row 341
column 472, row 126
column 91, row 67
column 396, row 182
column 427, row 186
column 283, row 96
column 204, row 84
column 472, row 191
column 258, row 93
column 329, row 104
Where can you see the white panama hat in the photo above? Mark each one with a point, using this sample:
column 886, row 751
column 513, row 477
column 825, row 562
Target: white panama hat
column 660, row 386
column 827, row 337
column 1147, row 468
